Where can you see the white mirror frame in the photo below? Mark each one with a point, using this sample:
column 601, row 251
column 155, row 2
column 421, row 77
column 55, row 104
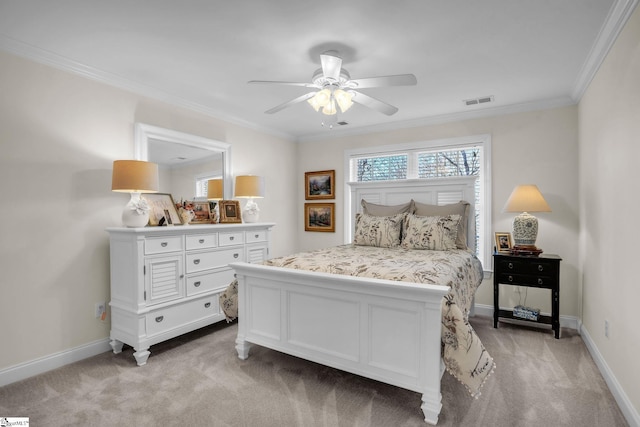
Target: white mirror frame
column 144, row 133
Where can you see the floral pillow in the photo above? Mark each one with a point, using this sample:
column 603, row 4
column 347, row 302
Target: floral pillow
column 437, row 233
column 380, row 231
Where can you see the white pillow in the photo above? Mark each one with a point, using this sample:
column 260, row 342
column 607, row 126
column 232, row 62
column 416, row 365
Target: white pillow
column 437, row 233
column 380, row 231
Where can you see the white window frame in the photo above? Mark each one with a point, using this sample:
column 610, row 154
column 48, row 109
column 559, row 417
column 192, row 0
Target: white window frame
column 484, row 205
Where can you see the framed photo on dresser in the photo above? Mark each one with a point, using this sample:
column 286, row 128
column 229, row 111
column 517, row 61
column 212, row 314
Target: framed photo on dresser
column 230, row 211
column 162, row 209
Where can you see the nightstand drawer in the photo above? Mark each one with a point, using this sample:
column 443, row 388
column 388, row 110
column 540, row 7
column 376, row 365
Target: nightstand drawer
column 524, row 279
column 538, row 267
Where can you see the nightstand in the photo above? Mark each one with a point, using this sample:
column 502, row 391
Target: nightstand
column 531, row 271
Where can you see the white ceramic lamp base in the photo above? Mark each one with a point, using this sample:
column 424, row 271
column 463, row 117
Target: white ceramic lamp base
column 136, row 212
column 251, row 213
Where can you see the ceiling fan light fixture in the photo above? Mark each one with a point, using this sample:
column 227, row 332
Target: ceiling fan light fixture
column 323, row 97
column 313, row 101
column 330, row 108
column 343, row 99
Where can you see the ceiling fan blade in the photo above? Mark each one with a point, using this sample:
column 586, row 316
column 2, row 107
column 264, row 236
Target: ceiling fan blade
column 290, row 103
column 397, row 80
column 281, row 83
column 331, row 66
column 373, row 103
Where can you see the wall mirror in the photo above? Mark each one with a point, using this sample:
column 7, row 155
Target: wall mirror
column 183, row 160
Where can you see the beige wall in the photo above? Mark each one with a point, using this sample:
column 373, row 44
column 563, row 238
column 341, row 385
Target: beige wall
column 609, row 148
column 59, row 135
column 536, row 147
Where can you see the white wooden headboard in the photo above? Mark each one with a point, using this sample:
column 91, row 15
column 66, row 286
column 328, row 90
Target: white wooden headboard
column 440, row 191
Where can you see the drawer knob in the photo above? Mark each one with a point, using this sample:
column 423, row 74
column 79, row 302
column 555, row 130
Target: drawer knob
column 257, row 235
column 236, row 255
column 196, row 261
column 196, row 284
column 540, row 281
column 207, row 304
column 510, row 265
column 201, row 241
column 511, row 278
column 231, row 238
column 540, row 267
column 159, row 319
column 164, row 244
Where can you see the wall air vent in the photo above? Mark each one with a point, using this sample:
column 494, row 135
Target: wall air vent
column 476, row 101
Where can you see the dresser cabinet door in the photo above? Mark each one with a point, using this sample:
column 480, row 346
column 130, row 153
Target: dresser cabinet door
column 163, row 279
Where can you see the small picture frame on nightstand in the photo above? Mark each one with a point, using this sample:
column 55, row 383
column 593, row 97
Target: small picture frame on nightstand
column 503, row 242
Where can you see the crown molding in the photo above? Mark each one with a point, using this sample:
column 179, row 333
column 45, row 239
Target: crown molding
column 60, row 62
column 618, row 16
column 440, row 119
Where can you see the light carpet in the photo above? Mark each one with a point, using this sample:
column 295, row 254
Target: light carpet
column 198, row 380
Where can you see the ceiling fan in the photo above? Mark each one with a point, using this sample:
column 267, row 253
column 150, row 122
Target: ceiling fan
column 335, row 89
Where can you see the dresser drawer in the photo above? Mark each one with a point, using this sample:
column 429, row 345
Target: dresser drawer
column 256, row 236
column 160, row 245
column 231, row 238
column 169, row 318
column 201, row 261
column 219, row 279
column 202, row 241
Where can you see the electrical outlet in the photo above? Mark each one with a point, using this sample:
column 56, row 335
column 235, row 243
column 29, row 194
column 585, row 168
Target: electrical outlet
column 100, row 310
column 606, row 328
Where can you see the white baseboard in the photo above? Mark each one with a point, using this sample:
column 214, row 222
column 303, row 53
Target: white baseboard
column 630, row 413
column 627, row 408
column 38, row 366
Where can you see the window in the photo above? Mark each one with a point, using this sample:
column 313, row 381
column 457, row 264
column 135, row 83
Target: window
column 468, row 156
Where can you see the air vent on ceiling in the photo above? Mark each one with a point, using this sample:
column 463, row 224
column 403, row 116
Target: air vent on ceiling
column 476, row 101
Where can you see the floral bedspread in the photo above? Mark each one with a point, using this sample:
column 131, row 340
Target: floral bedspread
column 464, row 355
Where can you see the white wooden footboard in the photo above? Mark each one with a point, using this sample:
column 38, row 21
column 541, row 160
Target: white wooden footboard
column 380, row 329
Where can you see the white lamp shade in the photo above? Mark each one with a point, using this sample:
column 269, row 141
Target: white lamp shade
column 134, row 176
column 249, row 186
column 526, row 198
column 215, row 189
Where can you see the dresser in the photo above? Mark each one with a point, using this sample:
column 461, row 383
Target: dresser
column 530, row 271
column 166, row 281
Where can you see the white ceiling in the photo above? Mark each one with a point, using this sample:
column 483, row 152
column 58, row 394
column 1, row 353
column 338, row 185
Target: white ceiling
column 201, row 53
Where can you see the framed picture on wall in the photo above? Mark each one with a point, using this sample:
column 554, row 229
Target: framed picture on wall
column 230, row 211
column 503, row 242
column 319, row 185
column 319, row 217
column 162, row 209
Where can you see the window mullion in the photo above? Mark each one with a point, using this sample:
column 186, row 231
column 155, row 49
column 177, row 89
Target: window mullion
column 412, row 165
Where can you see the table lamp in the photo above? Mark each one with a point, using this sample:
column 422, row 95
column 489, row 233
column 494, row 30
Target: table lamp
column 135, row 177
column 215, row 191
column 249, row 187
column 526, row 199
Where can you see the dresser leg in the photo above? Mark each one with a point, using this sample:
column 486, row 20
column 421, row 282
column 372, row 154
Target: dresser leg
column 142, row 356
column 116, row 346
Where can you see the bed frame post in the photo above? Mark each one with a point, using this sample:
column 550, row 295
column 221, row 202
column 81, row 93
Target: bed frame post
column 242, row 345
column 431, row 396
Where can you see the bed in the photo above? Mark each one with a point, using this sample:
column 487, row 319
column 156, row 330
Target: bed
column 392, row 305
